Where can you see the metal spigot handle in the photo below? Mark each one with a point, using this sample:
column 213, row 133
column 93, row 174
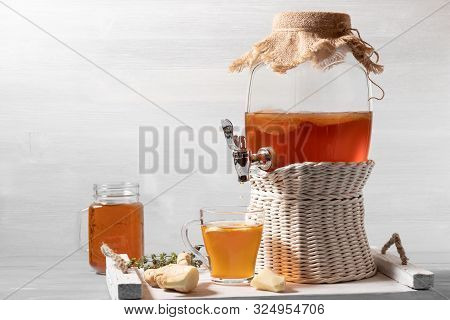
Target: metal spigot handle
column 243, row 158
column 227, row 128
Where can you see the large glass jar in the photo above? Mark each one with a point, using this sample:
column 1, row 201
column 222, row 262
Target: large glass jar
column 309, row 95
column 116, row 217
column 310, row 114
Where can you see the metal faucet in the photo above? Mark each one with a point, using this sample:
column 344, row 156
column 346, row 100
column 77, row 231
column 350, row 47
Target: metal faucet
column 243, row 158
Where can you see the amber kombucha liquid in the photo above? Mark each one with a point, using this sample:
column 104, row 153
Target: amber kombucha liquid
column 315, row 137
column 120, row 226
column 232, row 247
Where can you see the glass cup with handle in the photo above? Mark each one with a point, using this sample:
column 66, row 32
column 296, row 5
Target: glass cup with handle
column 231, row 235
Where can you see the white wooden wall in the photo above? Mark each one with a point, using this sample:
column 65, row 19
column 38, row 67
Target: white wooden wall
column 65, row 124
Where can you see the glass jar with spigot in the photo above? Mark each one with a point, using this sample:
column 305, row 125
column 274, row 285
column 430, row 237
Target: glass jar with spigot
column 309, row 95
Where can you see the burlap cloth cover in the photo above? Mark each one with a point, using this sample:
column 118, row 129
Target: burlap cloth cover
column 298, row 37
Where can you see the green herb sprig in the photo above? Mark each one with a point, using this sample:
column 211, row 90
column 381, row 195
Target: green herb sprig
column 155, row 261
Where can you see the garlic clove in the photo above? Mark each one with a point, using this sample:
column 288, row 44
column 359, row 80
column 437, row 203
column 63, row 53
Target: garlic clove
column 268, row 280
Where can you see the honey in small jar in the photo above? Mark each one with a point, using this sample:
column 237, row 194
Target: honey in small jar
column 116, row 217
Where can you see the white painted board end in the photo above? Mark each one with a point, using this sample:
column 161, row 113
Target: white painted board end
column 409, row 275
column 122, row 286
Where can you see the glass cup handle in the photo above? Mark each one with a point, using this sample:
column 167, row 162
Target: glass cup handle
column 188, row 244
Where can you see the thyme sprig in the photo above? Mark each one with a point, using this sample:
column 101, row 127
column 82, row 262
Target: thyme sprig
column 155, row 261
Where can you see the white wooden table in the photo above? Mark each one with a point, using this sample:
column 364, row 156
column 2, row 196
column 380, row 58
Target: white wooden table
column 376, row 287
column 393, row 278
column 72, row 279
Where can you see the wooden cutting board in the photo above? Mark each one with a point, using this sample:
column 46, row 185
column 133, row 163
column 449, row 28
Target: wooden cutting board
column 392, row 281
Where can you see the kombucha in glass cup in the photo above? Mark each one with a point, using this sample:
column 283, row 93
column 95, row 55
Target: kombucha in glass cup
column 231, row 235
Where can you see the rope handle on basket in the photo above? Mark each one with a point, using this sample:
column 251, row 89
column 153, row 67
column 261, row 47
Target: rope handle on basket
column 398, row 244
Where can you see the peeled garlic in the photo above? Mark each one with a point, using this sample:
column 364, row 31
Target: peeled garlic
column 268, row 280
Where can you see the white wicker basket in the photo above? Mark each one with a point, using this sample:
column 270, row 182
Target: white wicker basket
column 314, row 221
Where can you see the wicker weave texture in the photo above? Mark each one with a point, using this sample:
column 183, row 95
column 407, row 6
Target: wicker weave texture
column 314, row 221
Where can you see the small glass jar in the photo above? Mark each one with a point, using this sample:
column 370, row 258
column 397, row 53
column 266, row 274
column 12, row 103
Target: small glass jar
column 116, row 217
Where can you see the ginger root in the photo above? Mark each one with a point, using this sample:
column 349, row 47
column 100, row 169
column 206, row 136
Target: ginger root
column 184, row 258
column 268, row 280
column 149, row 277
column 179, row 277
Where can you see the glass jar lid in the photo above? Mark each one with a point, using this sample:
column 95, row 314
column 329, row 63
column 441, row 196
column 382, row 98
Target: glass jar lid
column 116, row 192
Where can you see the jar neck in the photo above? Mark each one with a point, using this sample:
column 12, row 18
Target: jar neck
column 116, row 193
